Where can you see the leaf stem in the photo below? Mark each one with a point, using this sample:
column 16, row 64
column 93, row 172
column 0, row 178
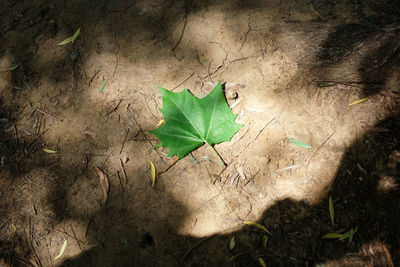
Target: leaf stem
column 220, row 160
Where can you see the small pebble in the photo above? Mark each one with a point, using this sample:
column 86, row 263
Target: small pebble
column 232, row 95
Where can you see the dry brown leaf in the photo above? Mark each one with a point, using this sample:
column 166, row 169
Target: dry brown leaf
column 104, row 182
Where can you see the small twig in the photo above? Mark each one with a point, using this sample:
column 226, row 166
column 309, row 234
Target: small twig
column 85, row 154
column 251, row 195
column 123, row 171
column 141, row 130
column 87, row 226
column 190, row 76
column 38, row 262
column 265, row 126
column 222, row 191
column 245, row 36
column 71, row 236
column 84, row 169
column 4, row 223
column 222, row 188
column 211, row 199
column 241, row 136
column 250, row 209
column 21, row 261
column 183, row 29
column 123, row 142
column 48, row 253
column 116, row 55
column 208, row 72
column 115, row 108
column 317, row 13
column 26, row 83
column 234, row 257
column 44, row 112
column 219, row 175
column 120, row 183
column 220, row 160
column 239, row 59
column 196, row 245
column 148, row 107
column 32, row 181
column 38, row 122
column 95, row 74
column 16, row 135
column 315, row 151
column 251, row 178
column 290, row 167
column 191, row 229
column 77, row 240
column 348, row 83
column 169, row 167
column 36, row 139
column 155, row 102
column 215, row 71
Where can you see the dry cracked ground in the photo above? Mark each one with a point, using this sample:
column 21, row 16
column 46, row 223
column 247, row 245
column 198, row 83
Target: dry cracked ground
column 290, row 68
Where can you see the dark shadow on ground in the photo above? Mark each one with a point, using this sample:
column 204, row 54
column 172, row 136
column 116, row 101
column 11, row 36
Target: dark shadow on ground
column 365, row 191
column 365, row 194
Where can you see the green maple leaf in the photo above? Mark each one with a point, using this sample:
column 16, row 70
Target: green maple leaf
column 192, row 121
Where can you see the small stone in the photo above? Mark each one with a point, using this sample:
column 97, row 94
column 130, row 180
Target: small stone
column 232, row 95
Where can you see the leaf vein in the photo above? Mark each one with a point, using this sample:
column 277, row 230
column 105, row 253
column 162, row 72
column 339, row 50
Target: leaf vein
column 212, row 117
column 187, row 118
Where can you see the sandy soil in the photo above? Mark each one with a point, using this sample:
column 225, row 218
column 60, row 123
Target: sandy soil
column 292, row 67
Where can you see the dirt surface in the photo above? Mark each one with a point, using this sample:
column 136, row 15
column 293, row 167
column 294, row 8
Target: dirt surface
column 292, row 67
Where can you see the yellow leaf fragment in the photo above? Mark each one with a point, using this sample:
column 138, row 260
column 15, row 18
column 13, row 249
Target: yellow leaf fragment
column 49, row 151
column 14, row 230
column 232, row 243
column 153, row 174
column 160, row 122
column 13, row 67
column 333, row 235
column 349, row 234
column 262, row 262
column 71, row 39
column 76, row 34
column 257, row 225
column 358, row 101
column 331, row 211
column 64, row 246
column 265, row 241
